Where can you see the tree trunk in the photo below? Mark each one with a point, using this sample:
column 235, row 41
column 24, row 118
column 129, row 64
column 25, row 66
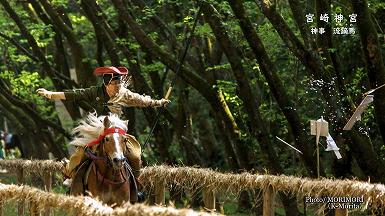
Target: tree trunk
column 246, row 95
column 373, row 59
column 276, row 87
column 25, row 127
column 82, row 64
column 99, row 24
column 184, row 128
column 211, row 94
column 60, row 57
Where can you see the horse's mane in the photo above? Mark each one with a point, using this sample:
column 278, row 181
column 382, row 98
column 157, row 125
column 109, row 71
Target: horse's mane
column 92, row 127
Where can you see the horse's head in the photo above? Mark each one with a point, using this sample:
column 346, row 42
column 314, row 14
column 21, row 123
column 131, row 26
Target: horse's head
column 114, row 144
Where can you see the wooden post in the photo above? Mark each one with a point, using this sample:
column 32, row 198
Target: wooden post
column 319, row 128
column 20, row 180
column 47, row 187
column 318, row 172
column 209, row 199
column 1, row 208
column 33, row 209
column 20, row 176
column 268, row 202
column 160, row 187
column 341, row 212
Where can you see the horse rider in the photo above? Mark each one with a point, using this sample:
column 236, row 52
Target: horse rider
column 108, row 97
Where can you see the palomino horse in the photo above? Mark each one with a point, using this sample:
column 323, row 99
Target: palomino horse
column 106, row 174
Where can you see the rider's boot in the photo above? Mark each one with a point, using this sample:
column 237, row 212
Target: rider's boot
column 67, row 182
column 69, row 166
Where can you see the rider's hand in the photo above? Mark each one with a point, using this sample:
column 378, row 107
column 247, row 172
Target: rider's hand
column 164, row 102
column 44, row 92
column 159, row 103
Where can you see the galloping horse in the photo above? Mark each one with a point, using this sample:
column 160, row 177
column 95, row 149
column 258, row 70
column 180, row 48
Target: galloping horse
column 106, row 174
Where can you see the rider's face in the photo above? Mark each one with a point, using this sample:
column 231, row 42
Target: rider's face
column 113, row 87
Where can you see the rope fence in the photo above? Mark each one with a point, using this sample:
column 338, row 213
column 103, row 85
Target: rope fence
column 78, row 205
column 38, row 167
column 369, row 196
column 187, row 178
column 213, row 183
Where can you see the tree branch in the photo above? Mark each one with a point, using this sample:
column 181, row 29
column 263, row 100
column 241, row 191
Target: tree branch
column 82, row 64
column 35, row 48
column 157, row 52
column 34, row 115
column 19, row 47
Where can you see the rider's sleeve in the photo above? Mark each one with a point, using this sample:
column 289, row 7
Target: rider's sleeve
column 132, row 99
column 85, row 94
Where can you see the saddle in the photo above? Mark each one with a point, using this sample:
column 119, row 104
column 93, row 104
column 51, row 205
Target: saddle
column 79, row 182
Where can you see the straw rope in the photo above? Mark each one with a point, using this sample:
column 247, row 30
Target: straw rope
column 30, row 166
column 194, row 179
column 187, row 178
column 83, row 205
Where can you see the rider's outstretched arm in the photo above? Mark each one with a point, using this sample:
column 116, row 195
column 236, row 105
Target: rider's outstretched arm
column 131, row 99
column 51, row 95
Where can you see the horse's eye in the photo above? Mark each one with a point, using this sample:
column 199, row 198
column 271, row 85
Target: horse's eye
column 106, row 139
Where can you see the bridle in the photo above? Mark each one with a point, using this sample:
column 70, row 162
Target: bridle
column 106, row 132
column 100, row 140
column 106, row 158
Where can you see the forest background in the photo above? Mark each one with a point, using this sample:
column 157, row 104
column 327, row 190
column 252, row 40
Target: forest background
column 255, row 70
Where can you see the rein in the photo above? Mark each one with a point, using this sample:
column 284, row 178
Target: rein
column 103, row 179
column 94, row 158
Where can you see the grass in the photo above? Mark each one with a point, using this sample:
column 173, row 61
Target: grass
column 10, row 208
column 232, row 209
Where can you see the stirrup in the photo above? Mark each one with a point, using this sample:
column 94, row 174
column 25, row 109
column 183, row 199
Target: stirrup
column 141, row 196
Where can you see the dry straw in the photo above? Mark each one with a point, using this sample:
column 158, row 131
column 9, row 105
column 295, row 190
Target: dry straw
column 83, row 205
column 194, row 179
column 187, row 178
column 30, row 166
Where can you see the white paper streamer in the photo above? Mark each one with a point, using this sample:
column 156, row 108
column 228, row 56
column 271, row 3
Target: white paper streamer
column 332, row 146
column 357, row 113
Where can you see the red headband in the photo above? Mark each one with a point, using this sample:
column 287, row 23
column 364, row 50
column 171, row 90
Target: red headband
column 106, row 132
